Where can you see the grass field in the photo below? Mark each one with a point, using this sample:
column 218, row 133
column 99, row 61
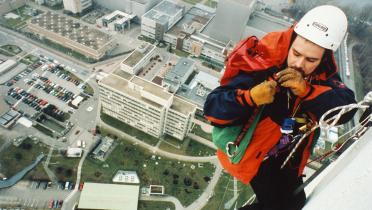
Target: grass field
column 197, row 130
column 63, row 167
column 224, row 192
column 155, row 205
column 13, row 159
column 183, row 180
column 10, row 50
column 30, row 59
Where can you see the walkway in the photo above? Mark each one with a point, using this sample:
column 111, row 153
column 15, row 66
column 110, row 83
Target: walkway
column 208, row 192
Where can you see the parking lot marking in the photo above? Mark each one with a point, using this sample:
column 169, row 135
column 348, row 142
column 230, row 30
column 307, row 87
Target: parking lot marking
column 28, row 91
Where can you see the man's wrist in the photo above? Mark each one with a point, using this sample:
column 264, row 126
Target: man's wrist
column 305, row 91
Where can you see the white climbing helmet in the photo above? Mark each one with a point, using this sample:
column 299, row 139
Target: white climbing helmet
column 324, row 25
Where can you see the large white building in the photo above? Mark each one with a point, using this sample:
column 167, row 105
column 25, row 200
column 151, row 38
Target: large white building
column 156, row 22
column 139, row 58
column 145, row 106
column 77, row 6
column 109, row 196
column 134, row 7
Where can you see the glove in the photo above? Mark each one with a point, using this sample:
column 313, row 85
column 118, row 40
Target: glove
column 294, row 80
column 263, row 93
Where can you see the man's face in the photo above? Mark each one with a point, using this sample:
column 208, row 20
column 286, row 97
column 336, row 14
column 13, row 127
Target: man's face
column 304, row 55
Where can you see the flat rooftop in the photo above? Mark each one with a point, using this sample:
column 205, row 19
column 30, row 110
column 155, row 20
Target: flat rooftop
column 163, row 12
column 69, row 28
column 152, row 88
column 196, row 18
column 121, row 85
column 123, row 74
column 137, row 55
column 182, row 106
column 180, row 70
column 260, row 22
column 115, row 196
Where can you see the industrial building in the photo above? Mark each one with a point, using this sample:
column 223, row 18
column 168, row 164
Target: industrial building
column 72, row 34
column 221, row 27
column 133, row 7
column 109, row 196
column 178, row 74
column 156, row 22
column 139, row 58
column 103, row 149
column 208, row 33
column 146, row 106
column 116, row 21
column 199, row 88
column 77, row 6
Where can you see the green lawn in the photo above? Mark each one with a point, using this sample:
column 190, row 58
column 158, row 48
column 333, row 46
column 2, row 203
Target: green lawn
column 155, row 205
column 146, row 39
column 10, row 50
column 178, row 177
column 197, row 130
column 129, row 129
column 192, row 1
column 224, row 191
column 22, row 12
column 197, row 149
column 63, row 167
column 211, row 3
column 14, row 159
column 180, row 53
column 30, row 59
column 88, row 90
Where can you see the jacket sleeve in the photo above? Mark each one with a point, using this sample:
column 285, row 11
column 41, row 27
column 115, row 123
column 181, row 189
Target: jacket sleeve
column 326, row 95
column 231, row 103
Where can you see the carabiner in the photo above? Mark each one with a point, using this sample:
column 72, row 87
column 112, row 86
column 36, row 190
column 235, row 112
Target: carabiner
column 228, row 149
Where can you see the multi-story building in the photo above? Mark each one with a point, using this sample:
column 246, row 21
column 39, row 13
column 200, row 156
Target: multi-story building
column 72, row 34
column 116, row 21
column 139, row 58
column 134, row 7
column 156, row 22
column 145, row 106
column 77, row 6
column 178, row 74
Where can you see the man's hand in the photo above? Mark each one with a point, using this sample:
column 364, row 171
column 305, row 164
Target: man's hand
column 263, row 93
column 292, row 79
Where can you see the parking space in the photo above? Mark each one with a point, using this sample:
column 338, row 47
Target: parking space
column 34, row 195
column 43, row 83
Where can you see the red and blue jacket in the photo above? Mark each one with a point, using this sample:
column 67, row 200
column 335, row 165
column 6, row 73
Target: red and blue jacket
column 250, row 63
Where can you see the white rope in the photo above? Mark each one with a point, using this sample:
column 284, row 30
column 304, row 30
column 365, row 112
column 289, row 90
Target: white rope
column 332, row 121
